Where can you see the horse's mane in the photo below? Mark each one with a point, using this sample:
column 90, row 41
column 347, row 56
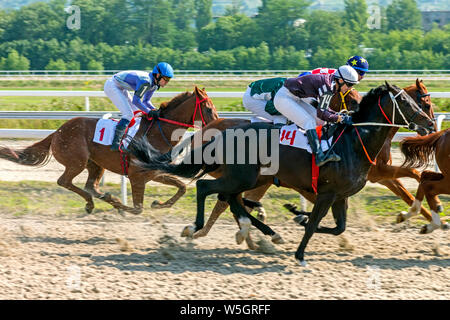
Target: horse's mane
column 176, row 101
column 368, row 101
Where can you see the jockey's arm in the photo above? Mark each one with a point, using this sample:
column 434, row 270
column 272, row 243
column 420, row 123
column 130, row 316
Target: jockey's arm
column 141, row 89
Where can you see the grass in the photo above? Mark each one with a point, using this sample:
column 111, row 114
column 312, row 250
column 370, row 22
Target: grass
column 46, row 198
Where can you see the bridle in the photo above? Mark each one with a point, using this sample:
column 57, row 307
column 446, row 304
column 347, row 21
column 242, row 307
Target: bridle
column 408, row 124
column 198, row 107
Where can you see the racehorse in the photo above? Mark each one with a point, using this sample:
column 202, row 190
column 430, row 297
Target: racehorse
column 419, row 152
column 382, row 171
column 72, row 145
column 337, row 181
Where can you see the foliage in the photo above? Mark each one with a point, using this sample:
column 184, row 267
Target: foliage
column 285, row 34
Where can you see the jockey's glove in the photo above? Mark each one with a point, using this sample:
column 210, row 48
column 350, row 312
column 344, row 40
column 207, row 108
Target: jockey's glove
column 347, row 120
column 153, row 114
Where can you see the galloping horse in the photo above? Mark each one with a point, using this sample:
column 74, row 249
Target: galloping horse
column 382, row 172
column 337, row 181
column 72, row 146
column 419, row 152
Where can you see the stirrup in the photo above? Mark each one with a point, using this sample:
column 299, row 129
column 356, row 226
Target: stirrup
column 332, row 157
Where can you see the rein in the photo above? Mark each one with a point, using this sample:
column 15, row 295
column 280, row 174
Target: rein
column 181, row 124
column 390, row 123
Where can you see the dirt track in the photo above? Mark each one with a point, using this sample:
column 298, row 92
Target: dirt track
column 105, row 257
column 110, row 257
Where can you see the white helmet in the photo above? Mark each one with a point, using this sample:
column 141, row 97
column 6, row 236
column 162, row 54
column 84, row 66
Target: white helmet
column 347, row 73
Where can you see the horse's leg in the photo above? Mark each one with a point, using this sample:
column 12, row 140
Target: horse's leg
column 172, row 181
column 339, row 209
column 66, row 181
column 397, row 187
column 437, row 184
column 242, row 216
column 256, row 195
column 219, row 208
column 320, row 209
column 204, row 188
column 93, row 181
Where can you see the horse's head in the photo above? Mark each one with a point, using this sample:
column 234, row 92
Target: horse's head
column 190, row 108
column 405, row 111
column 419, row 93
column 345, row 101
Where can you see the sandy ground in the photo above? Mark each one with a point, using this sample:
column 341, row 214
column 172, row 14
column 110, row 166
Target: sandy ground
column 109, row 257
column 106, row 256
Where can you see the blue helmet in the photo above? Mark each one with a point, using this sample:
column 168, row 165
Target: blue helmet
column 164, row 69
column 358, row 63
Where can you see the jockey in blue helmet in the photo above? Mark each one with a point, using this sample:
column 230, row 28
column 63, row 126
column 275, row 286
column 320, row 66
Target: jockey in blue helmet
column 143, row 84
column 356, row 62
column 359, row 64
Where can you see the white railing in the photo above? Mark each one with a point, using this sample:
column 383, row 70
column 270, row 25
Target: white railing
column 160, row 94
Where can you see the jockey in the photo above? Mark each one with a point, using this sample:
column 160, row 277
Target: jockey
column 290, row 101
column 144, row 85
column 258, row 98
column 356, row 62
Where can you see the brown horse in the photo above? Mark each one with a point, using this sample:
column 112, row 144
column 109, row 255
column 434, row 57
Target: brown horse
column 383, row 172
column 72, row 146
column 418, row 153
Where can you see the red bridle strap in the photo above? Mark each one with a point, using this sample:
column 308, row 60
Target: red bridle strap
column 374, row 162
column 382, row 111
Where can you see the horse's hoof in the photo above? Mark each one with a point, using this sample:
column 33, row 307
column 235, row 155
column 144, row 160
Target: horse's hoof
column 301, row 219
column 89, row 208
column 445, row 226
column 440, row 208
column 261, row 217
column 188, row 231
column 239, row 237
column 401, row 217
column 198, row 234
column 277, row 239
column 302, row 263
column 424, row 230
column 121, row 212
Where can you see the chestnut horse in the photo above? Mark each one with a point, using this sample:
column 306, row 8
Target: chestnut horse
column 383, row 172
column 419, row 152
column 72, row 146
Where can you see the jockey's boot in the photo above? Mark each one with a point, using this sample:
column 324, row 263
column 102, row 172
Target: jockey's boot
column 118, row 134
column 316, row 148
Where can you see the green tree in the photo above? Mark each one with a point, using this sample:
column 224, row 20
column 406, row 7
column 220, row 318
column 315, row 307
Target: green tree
column 95, row 65
column 403, row 14
column 277, row 20
column 203, row 16
column 355, row 18
column 14, row 61
column 56, row 65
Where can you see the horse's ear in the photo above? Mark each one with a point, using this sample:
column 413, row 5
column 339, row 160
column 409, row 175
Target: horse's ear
column 388, row 86
column 418, row 83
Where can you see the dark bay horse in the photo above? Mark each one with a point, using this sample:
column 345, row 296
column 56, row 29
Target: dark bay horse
column 72, row 146
column 419, row 152
column 337, row 181
column 382, row 172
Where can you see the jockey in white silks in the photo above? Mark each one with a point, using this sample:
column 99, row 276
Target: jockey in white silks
column 143, row 84
column 291, row 101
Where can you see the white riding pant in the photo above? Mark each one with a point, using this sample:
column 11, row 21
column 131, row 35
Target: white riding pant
column 297, row 109
column 257, row 105
column 121, row 98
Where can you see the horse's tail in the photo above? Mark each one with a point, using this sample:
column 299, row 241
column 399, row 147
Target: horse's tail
column 419, row 150
column 34, row 155
column 151, row 159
